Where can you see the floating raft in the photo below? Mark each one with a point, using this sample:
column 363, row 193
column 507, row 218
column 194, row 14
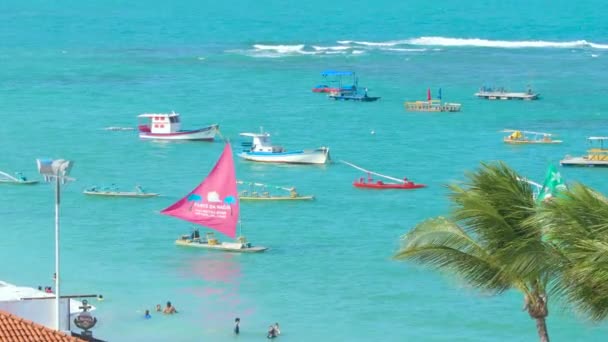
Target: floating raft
column 432, row 106
column 503, row 95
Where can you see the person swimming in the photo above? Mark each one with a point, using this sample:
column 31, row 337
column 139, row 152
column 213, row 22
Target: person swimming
column 277, row 329
column 158, row 308
column 147, row 315
column 272, row 333
column 237, row 329
column 169, row 309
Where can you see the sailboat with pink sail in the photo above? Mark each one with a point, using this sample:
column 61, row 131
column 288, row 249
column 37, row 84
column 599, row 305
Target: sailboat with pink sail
column 213, row 204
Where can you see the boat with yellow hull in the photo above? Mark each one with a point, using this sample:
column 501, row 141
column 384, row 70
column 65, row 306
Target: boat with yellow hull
column 214, row 204
column 260, row 192
column 431, row 105
column 595, row 156
column 528, row 137
column 210, row 242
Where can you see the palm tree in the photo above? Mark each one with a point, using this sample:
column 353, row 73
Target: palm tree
column 576, row 222
column 489, row 240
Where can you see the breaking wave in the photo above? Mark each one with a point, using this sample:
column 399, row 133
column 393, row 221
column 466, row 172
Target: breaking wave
column 478, row 42
column 407, row 46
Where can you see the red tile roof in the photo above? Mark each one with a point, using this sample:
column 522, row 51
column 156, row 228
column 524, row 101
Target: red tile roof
column 16, row 329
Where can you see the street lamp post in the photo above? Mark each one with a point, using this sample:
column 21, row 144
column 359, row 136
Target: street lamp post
column 57, row 171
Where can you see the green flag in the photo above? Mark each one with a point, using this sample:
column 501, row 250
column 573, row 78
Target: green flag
column 552, row 185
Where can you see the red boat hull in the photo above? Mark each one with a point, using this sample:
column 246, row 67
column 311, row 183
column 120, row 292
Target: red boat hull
column 406, row 186
column 325, row 90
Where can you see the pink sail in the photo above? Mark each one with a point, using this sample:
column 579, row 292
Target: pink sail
column 213, row 203
column 428, row 94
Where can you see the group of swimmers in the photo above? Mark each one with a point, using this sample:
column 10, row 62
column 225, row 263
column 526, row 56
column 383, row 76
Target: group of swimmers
column 168, row 310
column 273, row 330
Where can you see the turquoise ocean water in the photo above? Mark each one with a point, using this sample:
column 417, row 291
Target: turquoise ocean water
column 70, row 68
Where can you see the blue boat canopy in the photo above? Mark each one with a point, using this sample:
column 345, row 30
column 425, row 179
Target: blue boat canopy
column 337, row 73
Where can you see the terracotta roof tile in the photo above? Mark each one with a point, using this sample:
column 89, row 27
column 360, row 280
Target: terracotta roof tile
column 16, row 329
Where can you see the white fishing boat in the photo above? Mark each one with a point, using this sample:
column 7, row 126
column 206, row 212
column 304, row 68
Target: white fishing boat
column 18, row 179
column 214, row 204
column 168, row 127
column 596, row 156
column 263, row 192
column 114, row 192
column 262, row 150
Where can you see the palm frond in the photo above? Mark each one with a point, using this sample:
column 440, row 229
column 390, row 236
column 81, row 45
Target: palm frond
column 576, row 222
column 443, row 245
column 494, row 205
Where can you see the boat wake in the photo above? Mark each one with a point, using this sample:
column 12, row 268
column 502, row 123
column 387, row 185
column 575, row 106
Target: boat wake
column 408, row 46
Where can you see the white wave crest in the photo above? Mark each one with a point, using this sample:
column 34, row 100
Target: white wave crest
column 280, row 48
column 475, row 42
column 330, row 48
column 443, row 41
column 406, row 50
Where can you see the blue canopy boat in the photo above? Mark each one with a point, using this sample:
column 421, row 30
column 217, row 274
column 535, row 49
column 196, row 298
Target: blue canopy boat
column 354, row 97
column 332, row 76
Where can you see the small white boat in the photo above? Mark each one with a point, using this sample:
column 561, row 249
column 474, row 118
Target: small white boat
column 113, row 192
column 595, row 156
column 168, row 127
column 19, row 179
column 262, row 150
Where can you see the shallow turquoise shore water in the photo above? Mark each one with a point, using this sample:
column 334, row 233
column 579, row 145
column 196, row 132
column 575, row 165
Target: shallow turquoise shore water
column 71, row 69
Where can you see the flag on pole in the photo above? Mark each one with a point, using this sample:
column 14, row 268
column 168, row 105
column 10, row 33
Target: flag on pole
column 552, row 185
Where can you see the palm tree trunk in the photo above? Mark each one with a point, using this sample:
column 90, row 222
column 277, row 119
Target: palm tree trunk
column 541, row 328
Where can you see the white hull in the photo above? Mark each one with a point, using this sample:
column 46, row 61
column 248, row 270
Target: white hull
column 319, row 156
column 121, row 194
column 583, row 161
column 201, row 134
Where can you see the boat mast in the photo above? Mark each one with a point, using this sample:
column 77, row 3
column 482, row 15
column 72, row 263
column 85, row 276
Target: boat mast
column 373, row 173
column 9, row 176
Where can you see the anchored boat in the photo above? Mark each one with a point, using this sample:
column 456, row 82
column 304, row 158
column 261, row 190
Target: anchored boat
column 19, row 179
column 114, row 192
column 354, row 97
column 595, row 156
column 503, row 94
column 261, row 192
column 262, row 150
column 214, row 203
column 528, row 137
column 168, row 127
column 431, row 105
column 370, row 183
column 334, row 82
